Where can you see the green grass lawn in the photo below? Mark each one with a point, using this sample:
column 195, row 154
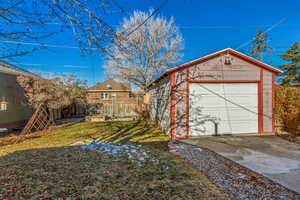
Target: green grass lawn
column 49, row 167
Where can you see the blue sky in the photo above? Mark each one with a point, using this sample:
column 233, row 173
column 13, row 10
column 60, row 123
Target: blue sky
column 207, row 26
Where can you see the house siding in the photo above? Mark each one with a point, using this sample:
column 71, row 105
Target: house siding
column 121, row 96
column 18, row 112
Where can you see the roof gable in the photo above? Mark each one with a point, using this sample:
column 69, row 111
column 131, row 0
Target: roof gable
column 218, row 53
column 232, row 52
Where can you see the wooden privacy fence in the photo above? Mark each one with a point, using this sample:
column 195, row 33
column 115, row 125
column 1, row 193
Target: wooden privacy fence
column 44, row 117
column 114, row 109
column 119, row 109
column 74, row 110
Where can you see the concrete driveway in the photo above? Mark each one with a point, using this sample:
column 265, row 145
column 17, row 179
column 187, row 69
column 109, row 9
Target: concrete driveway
column 270, row 156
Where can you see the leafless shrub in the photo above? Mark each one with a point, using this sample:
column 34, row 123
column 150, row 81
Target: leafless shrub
column 54, row 93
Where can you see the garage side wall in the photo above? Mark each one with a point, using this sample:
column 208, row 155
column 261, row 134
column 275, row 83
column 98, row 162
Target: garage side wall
column 179, row 107
column 160, row 96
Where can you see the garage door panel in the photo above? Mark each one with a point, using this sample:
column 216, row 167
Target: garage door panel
column 240, row 102
column 240, row 113
column 235, row 111
column 199, row 129
column 222, row 114
column 239, row 86
column 248, row 126
column 233, row 105
column 233, row 108
column 243, row 100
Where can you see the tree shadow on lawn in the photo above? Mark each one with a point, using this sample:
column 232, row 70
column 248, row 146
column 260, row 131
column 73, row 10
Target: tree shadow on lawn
column 116, row 132
column 134, row 131
column 71, row 172
column 68, row 128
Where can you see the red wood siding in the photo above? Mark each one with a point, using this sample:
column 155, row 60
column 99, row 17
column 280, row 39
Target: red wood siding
column 267, row 102
column 180, row 103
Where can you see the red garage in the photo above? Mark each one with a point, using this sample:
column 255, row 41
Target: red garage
column 226, row 92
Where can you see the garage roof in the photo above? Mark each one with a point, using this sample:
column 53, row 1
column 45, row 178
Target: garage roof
column 215, row 54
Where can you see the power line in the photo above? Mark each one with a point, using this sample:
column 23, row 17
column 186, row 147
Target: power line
column 207, row 27
column 66, row 46
column 62, row 65
column 120, row 7
column 152, row 14
column 48, row 45
column 272, row 27
column 228, row 26
column 87, row 48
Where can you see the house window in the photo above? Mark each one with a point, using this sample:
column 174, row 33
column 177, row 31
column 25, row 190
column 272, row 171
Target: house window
column 104, row 96
column 3, row 105
column 113, row 95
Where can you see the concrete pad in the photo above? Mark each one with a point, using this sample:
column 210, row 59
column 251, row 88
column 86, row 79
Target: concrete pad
column 271, row 156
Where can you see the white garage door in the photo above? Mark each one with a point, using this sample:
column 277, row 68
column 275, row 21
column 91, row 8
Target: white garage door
column 232, row 105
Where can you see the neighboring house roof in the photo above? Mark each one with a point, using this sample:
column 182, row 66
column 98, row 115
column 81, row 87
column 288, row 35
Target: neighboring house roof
column 111, row 85
column 139, row 92
column 215, row 54
column 11, row 69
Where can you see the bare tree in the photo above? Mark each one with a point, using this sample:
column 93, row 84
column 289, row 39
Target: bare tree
column 140, row 56
column 33, row 21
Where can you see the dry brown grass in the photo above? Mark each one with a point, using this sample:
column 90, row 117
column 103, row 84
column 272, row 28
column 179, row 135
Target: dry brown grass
column 47, row 168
